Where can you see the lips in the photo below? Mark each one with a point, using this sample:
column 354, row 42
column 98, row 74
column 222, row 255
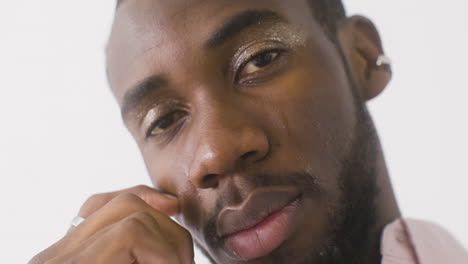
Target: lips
column 261, row 223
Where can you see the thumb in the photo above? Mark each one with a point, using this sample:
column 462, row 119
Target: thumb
column 165, row 203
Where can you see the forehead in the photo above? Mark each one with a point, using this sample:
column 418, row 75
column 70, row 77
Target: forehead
column 148, row 35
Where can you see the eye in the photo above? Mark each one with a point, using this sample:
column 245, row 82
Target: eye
column 259, row 61
column 164, row 123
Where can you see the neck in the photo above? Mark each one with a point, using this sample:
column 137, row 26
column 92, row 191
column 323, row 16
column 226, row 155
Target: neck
column 381, row 203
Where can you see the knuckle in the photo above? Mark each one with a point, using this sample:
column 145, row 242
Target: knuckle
column 93, row 203
column 128, row 230
column 141, row 187
column 96, row 199
column 143, row 217
column 131, row 224
column 128, row 198
column 148, row 220
column 132, row 229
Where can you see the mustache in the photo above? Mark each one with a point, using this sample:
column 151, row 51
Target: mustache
column 304, row 181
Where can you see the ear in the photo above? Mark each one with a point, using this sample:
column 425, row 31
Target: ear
column 362, row 47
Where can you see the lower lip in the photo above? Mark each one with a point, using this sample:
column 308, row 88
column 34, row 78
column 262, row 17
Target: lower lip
column 266, row 236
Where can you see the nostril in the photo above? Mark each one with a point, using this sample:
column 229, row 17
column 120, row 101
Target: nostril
column 248, row 155
column 210, row 181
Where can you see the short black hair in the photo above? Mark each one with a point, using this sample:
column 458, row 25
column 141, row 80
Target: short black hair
column 327, row 13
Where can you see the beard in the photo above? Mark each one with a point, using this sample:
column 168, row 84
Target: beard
column 355, row 218
column 352, row 217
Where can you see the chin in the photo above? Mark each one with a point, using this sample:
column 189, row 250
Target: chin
column 296, row 233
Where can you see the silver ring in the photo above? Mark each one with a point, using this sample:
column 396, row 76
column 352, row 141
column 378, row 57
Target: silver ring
column 77, row 220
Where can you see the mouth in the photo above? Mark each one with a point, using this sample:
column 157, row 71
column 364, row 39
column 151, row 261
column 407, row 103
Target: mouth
column 261, row 223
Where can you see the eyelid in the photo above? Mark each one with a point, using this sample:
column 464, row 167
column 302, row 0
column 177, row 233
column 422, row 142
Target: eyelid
column 153, row 126
column 170, row 131
column 246, row 53
column 158, row 111
column 150, row 118
column 243, row 66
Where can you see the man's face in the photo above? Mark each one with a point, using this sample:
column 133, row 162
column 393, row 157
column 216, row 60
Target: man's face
column 244, row 111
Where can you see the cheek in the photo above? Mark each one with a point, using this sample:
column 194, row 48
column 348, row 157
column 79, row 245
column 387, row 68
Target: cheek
column 314, row 117
column 168, row 172
column 164, row 168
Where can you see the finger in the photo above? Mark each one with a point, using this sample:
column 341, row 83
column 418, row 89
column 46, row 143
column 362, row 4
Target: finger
column 121, row 207
column 136, row 239
column 177, row 237
column 107, row 249
column 165, row 203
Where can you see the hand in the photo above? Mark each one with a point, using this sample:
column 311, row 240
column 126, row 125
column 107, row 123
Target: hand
column 124, row 227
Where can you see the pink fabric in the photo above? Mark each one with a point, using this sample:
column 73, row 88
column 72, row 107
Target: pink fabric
column 408, row 241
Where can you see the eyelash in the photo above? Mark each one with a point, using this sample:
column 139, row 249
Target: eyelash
column 279, row 52
column 158, row 121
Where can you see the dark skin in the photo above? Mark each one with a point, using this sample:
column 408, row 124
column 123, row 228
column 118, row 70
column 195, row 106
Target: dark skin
column 217, row 117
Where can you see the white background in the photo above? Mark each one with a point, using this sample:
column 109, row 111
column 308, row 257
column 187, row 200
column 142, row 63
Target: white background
column 61, row 138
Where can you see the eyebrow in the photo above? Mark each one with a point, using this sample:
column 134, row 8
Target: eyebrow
column 240, row 22
column 135, row 95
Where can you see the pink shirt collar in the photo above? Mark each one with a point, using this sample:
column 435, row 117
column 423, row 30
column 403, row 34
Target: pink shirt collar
column 409, row 241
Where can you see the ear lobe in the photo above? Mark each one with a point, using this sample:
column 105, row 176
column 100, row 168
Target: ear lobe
column 362, row 47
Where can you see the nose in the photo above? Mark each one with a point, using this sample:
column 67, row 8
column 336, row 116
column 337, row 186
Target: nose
column 225, row 147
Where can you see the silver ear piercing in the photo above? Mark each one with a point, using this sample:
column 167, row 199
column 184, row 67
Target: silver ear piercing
column 383, row 60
